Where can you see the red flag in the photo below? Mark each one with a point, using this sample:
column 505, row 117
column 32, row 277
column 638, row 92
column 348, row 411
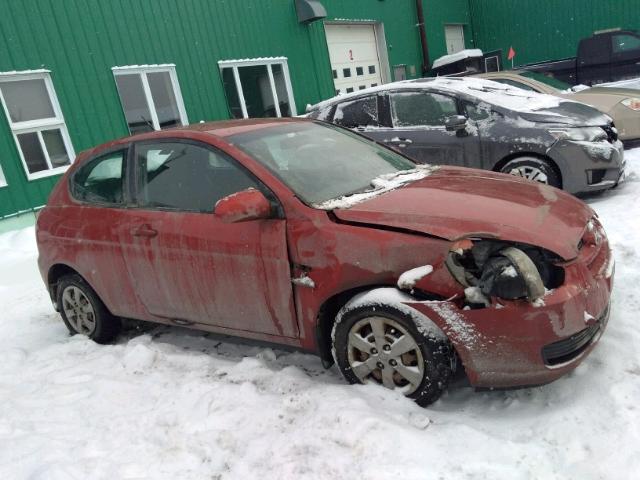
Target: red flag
column 512, row 53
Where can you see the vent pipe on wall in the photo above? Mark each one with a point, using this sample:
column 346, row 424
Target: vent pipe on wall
column 423, row 38
column 310, row 10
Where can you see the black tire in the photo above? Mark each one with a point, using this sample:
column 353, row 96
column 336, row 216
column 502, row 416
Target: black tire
column 438, row 357
column 106, row 326
column 533, row 164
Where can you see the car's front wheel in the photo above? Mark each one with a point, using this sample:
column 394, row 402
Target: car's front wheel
column 83, row 312
column 381, row 344
column 534, row 169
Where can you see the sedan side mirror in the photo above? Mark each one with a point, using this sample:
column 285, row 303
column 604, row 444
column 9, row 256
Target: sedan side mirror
column 455, row 123
column 249, row 204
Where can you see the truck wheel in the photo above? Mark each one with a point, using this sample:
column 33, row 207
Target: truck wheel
column 83, row 312
column 534, row 169
column 381, row 344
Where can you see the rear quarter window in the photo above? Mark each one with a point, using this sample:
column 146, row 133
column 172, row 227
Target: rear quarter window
column 362, row 112
column 323, row 114
column 101, row 180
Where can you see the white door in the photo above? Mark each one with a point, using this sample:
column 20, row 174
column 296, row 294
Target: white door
column 353, row 53
column 454, row 36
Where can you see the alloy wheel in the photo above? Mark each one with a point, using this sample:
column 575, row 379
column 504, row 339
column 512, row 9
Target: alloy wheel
column 381, row 350
column 530, row 173
column 78, row 310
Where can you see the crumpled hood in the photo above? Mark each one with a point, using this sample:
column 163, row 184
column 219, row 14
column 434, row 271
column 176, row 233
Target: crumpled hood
column 455, row 202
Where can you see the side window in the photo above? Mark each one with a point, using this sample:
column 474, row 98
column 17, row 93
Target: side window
column 362, row 112
column 411, row 109
column 183, row 176
column 514, row 83
column 321, row 114
column 477, row 112
column 101, row 180
column 593, row 51
column 626, row 43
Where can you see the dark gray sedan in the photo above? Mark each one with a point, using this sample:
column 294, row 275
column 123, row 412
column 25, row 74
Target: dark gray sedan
column 483, row 124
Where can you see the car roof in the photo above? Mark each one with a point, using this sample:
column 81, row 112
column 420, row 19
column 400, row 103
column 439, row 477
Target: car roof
column 224, row 128
column 479, row 89
column 218, row 129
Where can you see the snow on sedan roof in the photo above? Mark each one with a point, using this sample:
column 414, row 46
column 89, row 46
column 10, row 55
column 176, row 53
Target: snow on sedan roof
column 488, row 91
column 496, row 93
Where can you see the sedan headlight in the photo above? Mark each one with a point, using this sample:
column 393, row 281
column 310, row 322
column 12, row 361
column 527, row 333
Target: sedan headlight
column 504, row 270
column 632, row 103
column 581, row 134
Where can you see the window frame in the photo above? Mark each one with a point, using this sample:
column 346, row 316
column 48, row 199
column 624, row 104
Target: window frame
column 3, row 179
column 126, row 179
column 142, row 71
column 268, row 62
column 137, row 177
column 30, row 126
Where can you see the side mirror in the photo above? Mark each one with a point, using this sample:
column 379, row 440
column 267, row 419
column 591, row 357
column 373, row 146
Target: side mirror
column 249, row 204
column 455, row 123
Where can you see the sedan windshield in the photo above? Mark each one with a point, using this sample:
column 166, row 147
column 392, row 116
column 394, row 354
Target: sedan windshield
column 320, row 162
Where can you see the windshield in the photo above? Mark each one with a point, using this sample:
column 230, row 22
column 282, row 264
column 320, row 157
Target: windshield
column 552, row 82
column 318, row 161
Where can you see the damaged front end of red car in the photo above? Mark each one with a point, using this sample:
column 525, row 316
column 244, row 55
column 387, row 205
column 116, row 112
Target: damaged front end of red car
column 526, row 316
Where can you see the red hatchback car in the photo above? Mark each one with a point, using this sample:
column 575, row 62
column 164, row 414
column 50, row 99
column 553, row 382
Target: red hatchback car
column 304, row 234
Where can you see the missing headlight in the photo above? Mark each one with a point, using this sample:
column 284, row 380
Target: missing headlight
column 504, row 270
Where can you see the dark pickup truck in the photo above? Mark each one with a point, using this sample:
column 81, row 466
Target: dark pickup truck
column 606, row 56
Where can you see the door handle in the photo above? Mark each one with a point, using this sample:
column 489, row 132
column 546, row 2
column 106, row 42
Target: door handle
column 144, row 231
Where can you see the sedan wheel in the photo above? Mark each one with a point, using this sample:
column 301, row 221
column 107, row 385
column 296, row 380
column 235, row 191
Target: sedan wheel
column 530, row 173
column 533, row 169
column 381, row 344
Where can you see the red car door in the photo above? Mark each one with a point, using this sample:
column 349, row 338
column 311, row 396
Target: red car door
column 189, row 266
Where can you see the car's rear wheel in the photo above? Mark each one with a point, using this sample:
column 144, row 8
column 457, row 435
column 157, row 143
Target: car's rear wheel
column 381, row 344
column 534, row 169
column 83, row 312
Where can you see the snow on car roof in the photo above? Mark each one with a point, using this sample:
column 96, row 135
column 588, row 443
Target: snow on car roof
column 488, row 91
column 456, row 57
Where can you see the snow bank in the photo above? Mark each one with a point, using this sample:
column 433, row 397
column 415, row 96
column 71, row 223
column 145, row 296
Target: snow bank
column 177, row 404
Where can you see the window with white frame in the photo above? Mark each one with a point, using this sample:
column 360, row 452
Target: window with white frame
column 33, row 112
column 258, row 88
column 150, row 97
column 3, row 181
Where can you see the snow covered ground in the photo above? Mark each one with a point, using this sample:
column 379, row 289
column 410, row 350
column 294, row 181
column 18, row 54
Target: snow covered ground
column 177, row 404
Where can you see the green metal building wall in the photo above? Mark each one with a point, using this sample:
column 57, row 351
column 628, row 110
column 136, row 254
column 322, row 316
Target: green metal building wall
column 79, row 41
column 542, row 30
column 439, row 13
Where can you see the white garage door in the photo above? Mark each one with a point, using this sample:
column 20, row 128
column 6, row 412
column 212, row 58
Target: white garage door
column 353, row 53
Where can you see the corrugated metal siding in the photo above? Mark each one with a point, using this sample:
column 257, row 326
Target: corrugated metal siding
column 438, row 14
column 546, row 29
column 80, row 40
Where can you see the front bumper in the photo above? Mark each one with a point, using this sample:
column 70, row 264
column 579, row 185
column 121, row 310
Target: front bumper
column 515, row 344
column 589, row 166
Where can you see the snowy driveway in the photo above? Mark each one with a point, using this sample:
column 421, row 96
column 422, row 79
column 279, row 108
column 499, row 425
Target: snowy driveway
column 177, row 404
